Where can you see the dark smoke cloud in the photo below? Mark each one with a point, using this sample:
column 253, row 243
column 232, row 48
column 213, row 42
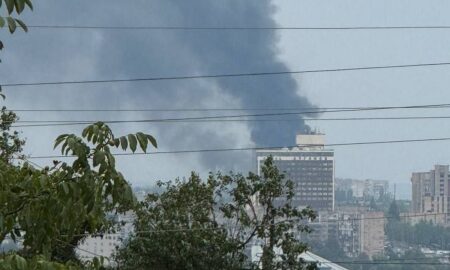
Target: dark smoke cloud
column 72, row 54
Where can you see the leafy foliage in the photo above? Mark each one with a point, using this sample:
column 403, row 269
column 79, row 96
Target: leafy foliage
column 14, row 6
column 10, row 142
column 424, row 234
column 17, row 7
column 197, row 224
column 50, row 208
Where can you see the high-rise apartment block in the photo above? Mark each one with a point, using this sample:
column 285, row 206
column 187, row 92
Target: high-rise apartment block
column 361, row 232
column 430, row 191
column 310, row 166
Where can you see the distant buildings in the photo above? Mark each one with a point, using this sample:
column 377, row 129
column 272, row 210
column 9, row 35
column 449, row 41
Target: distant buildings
column 361, row 232
column 106, row 245
column 308, row 257
column 431, row 193
column 310, row 166
column 353, row 190
column 372, row 233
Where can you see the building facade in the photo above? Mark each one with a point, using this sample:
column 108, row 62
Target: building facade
column 310, row 166
column 107, row 244
column 361, row 232
column 372, row 233
column 430, row 192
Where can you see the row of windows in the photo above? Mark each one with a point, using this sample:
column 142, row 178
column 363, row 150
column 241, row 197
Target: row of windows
column 314, row 198
column 316, row 194
column 314, row 189
column 315, row 183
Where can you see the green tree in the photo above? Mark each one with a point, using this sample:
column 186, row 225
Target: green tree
column 12, row 8
column 394, row 212
column 11, row 145
column 53, row 208
column 195, row 224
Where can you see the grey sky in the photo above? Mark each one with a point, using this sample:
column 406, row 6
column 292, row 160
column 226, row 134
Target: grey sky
column 328, row 49
column 43, row 55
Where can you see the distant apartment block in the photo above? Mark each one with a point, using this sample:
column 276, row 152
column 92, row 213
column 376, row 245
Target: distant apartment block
column 361, row 189
column 372, row 233
column 107, row 244
column 361, row 233
column 430, row 193
column 310, row 166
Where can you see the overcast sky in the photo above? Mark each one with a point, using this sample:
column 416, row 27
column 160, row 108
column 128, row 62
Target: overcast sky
column 58, row 55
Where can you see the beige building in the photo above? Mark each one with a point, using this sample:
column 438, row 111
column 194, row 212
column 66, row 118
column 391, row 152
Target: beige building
column 372, row 233
column 430, row 193
column 361, row 232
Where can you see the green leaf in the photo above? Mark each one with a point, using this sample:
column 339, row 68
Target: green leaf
column 29, row 4
column 20, row 5
column 86, row 131
column 2, row 22
column 22, row 24
column 133, row 142
column 43, row 181
column 142, row 139
column 59, row 140
column 152, row 140
column 65, row 187
column 116, row 142
column 21, row 263
column 124, row 143
column 11, row 24
column 9, row 5
column 99, row 157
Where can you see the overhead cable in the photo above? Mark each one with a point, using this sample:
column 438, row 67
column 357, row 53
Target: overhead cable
column 426, row 106
column 212, row 150
column 67, row 123
column 218, row 28
column 212, row 76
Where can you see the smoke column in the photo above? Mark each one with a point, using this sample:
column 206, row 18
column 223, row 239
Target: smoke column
column 103, row 54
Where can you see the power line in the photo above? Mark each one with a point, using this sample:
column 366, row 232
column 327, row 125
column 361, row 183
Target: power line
column 385, row 263
column 84, row 250
column 222, row 228
column 427, row 106
column 256, row 148
column 230, row 75
column 51, row 122
column 217, row 28
column 67, row 123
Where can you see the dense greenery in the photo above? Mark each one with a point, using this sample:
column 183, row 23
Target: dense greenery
column 413, row 259
column 195, row 224
column 52, row 208
column 13, row 7
column 424, row 234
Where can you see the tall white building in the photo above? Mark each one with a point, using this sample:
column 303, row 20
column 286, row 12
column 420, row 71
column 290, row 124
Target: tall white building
column 310, row 166
column 107, row 244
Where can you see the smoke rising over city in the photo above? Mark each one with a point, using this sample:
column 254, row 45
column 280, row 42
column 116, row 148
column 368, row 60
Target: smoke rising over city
column 103, row 54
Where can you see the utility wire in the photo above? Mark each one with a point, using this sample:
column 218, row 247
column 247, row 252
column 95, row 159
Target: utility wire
column 375, row 262
column 311, row 223
column 385, row 263
column 257, row 148
column 51, row 122
column 66, row 123
column 230, row 75
column 427, row 106
column 84, row 250
column 218, row 28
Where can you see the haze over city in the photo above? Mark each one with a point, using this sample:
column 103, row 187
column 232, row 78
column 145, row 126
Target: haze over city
column 91, row 54
column 348, row 98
